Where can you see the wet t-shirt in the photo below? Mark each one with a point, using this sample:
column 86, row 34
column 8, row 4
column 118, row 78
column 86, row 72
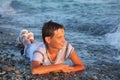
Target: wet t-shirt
column 38, row 52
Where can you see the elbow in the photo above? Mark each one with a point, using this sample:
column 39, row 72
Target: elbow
column 36, row 71
column 33, row 71
column 83, row 68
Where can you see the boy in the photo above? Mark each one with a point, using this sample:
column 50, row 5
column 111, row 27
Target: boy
column 50, row 56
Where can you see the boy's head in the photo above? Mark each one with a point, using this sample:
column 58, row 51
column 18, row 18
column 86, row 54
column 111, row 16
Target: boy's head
column 49, row 28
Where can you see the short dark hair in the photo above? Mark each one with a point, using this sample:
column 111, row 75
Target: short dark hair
column 49, row 28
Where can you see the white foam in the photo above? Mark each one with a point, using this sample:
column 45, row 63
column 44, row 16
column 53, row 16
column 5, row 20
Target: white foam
column 96, row 1
column 114, row 38
column 117, row 58
column 6, row 10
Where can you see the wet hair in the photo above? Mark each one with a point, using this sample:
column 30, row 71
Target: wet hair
column 49, row 28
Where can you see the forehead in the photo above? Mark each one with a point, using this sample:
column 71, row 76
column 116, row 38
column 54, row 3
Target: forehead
column 59, row 32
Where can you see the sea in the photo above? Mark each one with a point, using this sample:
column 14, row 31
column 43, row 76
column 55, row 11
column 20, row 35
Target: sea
column 91, row 26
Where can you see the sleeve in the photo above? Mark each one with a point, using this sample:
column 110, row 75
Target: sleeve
column 70, row 48
column 38, row 56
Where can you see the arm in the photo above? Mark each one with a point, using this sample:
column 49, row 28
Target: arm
column 78, row 65
column 36, row 68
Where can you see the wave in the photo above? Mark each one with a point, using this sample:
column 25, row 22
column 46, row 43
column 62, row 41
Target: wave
column 90, row 28
column 94, row 19
column 114, row 38
column 98, row 1
column 11, row 8
column 6, row 10
column 22, row 7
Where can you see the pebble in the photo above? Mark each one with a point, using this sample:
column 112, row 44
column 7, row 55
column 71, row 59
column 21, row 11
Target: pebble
column 1, row 45
column 9, row 43
column 17, row 76
column 8, row 68
column 1, row 32
column 17, row 71
column 4, row 79
column 54, row 78
column 2, row 72
column 94, row 78
column 76, row 78
column 11, row 34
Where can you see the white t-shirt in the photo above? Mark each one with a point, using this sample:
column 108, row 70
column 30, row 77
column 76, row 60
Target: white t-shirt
column 37, row 52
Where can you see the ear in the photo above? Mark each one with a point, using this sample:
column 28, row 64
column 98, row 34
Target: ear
column 47, row 39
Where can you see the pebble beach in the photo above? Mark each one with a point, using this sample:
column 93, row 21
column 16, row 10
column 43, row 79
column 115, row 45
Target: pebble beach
column 14, row 67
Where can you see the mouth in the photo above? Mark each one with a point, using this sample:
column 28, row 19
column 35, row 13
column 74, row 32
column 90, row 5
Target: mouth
column 62, row 44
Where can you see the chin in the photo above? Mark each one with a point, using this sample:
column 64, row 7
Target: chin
column 60, row 47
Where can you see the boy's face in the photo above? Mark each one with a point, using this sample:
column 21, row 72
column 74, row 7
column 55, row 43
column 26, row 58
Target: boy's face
column 58, row 40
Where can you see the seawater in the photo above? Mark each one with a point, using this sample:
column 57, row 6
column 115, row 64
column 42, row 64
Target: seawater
column 87, row 22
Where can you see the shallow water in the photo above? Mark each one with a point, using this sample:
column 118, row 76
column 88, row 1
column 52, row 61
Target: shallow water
column 88, row 23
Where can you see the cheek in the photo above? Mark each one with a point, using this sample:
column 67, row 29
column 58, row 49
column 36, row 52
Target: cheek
column 59, row 43
column 56, row 42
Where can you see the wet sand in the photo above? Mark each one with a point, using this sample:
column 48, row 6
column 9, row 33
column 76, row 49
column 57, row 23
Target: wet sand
column 14, row 67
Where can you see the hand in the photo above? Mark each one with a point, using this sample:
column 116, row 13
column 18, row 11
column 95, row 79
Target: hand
column 67, row 68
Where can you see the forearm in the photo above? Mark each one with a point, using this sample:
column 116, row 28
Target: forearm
column 74, row 68
column 78, row 68
column 46, row 69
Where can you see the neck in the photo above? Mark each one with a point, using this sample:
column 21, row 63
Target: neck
column 52, row 50
column 52, row 53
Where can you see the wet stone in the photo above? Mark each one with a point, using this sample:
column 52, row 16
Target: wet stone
column 94, row 77
column 1, row 32
column 1, row 45
column 4, row 42
column 17, row 75
column 76, row 78
column 54, row 78
column 11, row 34
column 9, row 43
column 8, row 68
column 2, row 72
column 12, row 55
column 4, row 78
